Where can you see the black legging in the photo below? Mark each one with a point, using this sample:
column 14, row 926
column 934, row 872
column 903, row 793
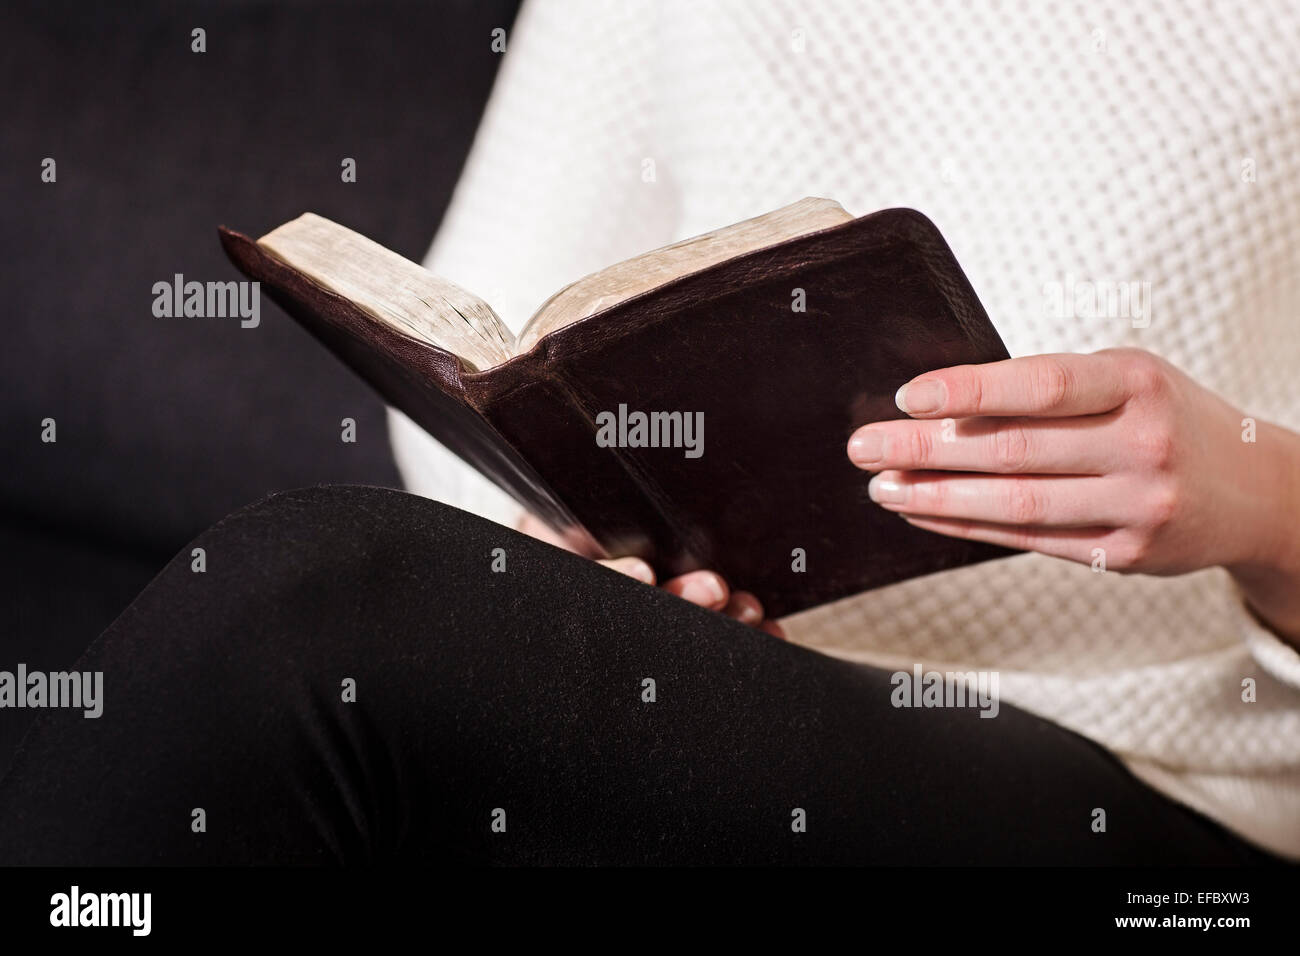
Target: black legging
column 518, row 697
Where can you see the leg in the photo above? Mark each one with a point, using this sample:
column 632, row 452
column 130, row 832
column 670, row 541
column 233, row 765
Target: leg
column 522, row 691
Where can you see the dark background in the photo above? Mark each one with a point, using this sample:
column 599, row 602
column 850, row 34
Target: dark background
column 165, row 425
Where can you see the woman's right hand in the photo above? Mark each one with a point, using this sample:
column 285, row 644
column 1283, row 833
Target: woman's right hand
column 704, row 588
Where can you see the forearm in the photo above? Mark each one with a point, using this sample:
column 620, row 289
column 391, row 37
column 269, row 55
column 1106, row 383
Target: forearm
column 1269, row 575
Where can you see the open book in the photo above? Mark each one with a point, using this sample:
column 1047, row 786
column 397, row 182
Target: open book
column 397, row 291
column 773, row 339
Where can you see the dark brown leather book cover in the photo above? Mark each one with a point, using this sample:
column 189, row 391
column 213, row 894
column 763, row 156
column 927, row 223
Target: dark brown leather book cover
column 780, row 392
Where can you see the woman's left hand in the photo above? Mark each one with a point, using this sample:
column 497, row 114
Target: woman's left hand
column 1114, row 457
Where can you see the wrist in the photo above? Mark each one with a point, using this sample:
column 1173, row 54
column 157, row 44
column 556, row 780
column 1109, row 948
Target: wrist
column 1268, row 572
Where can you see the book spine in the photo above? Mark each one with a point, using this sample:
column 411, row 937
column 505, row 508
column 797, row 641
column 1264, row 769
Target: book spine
column 603, row 500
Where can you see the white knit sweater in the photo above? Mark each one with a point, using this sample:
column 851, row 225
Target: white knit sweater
column 1051, row 143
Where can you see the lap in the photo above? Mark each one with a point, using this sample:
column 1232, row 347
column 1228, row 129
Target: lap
column 360, row 674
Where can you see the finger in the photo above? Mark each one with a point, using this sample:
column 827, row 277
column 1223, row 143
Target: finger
column 1073, row 544
column 1033, row 500
column 745, row 608
column 704, row 588
column 1049, row 385
column 572, row 538
column 1063, row 446
column 535, row 527
column 773, row 628
column 632, row 567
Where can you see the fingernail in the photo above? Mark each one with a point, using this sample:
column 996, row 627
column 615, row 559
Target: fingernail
column 635, row 567
column 705, row 590
column 921, row 397
column 887, row 491
column 867, row 447
column 748, row 610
